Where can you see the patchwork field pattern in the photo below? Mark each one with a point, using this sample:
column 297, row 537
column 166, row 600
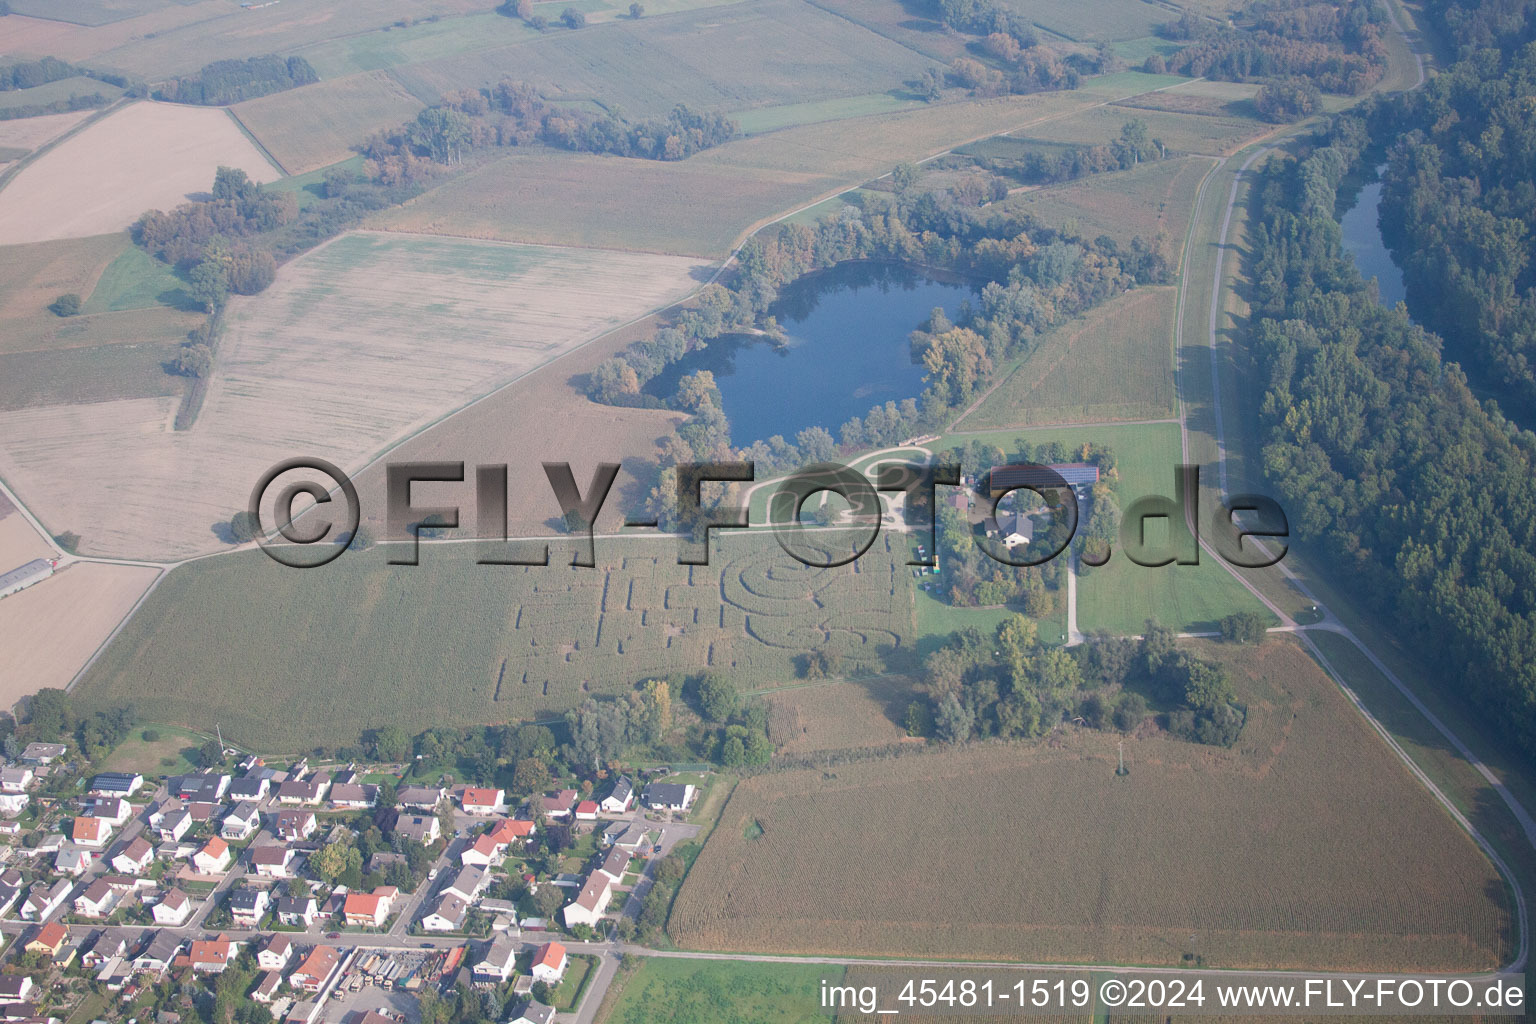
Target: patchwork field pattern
column 359, row 343
column 140, row 157
column 706, row 203
column 323, row 654
column 1128, row 343
column 28, row 133
column 318, row 124
column 1399, row 887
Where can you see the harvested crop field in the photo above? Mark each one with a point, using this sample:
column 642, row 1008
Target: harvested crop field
column 29, row 133
column 1114, row 363
column 143, row 156
column 318, row 125
column 721, row 58
column 1307, row 844
column 158, row 325
column 359, row 343
column 1182, row 133
column 839, row 715
column 64, row 618
column 1152, row 200
column 324, row 654
column 72, row 376
column 19, row 543
column 706, row 203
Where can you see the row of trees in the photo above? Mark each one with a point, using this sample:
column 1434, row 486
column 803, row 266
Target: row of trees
column 1008, row 685
column 1042, row 166
column 513, row 113
column 230, row 81
column 1337, row 47
column 1422, row 497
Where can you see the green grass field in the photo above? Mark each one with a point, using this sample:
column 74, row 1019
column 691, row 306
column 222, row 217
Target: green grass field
column 1115, row 363
column 1181, row 133
column 52, row 92
column 136, row 280
column 707, row 992
column 286, row 659
column 168, row 754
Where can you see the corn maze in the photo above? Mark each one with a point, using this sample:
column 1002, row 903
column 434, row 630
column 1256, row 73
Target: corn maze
column 322, row 655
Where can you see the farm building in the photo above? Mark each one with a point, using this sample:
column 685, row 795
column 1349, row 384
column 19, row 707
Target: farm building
column 1076, row 475
column 24, row 576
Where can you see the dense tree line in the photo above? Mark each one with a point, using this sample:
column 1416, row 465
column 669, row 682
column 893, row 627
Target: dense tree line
column 1459, row 211
column 1287, row 100
column 1337, row 47
column 1009, row 685
column 986, row 17
column 1043, row 166
column 1422, row 498
column 75, row 101
column 513, row 113
column 29, row 74
column 1500, row 24
column 230, row 81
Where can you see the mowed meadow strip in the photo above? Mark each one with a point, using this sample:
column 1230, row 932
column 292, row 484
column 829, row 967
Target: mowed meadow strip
column 1308, row 844
column 285, row 659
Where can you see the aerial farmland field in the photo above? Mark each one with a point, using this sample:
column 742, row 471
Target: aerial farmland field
column 1151, row 201
column 333, row 645
column 320, row 124
column 1402, row 883
column 142, row 156
column 436, row 322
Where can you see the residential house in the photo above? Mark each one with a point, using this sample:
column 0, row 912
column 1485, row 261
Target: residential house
column 101, row 948
column 481, row 801
column 423, row 828
column 11, row 827
column 211, row 956
column 72, row 860
column 157, row 956
column 352, row 796
column 509, row 830
column 496, row 966
column 172, row 909
column 447, row 914
column 202, row 810
column 344, row 777
column 249, row 905
column 307, row 792
column 484, row 852
column 369, row 910
column 316, row 970
column 50, row 938
column 292, row 826
column 266, row 987
column 615, row 864
column 549, row 963
column 419, row 798
column 135, row 858
column 382, row 861
column 669, row 796
column 41, row 902
column 118, row 784
column 110, row 808
column 591, row 902
column 249, row 787
column 275, row 954
column 98, row 900
column 468, row 883
column 241, row 822
column 273, row 861
column 15, row 780
column 92, row 832
column 42, row 753
column 297, row 911
column 15, row 987
column 173, row 825
column 213, row 858
column 620, row 798
column 12, row 804
column 532, row 1013
column 631, row 837
column 559, row 806
column 11, row 888
column 208, row 787
column 586, row 810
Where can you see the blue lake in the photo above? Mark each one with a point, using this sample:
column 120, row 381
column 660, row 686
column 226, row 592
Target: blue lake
column 847, row 350
column 1362, row 239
